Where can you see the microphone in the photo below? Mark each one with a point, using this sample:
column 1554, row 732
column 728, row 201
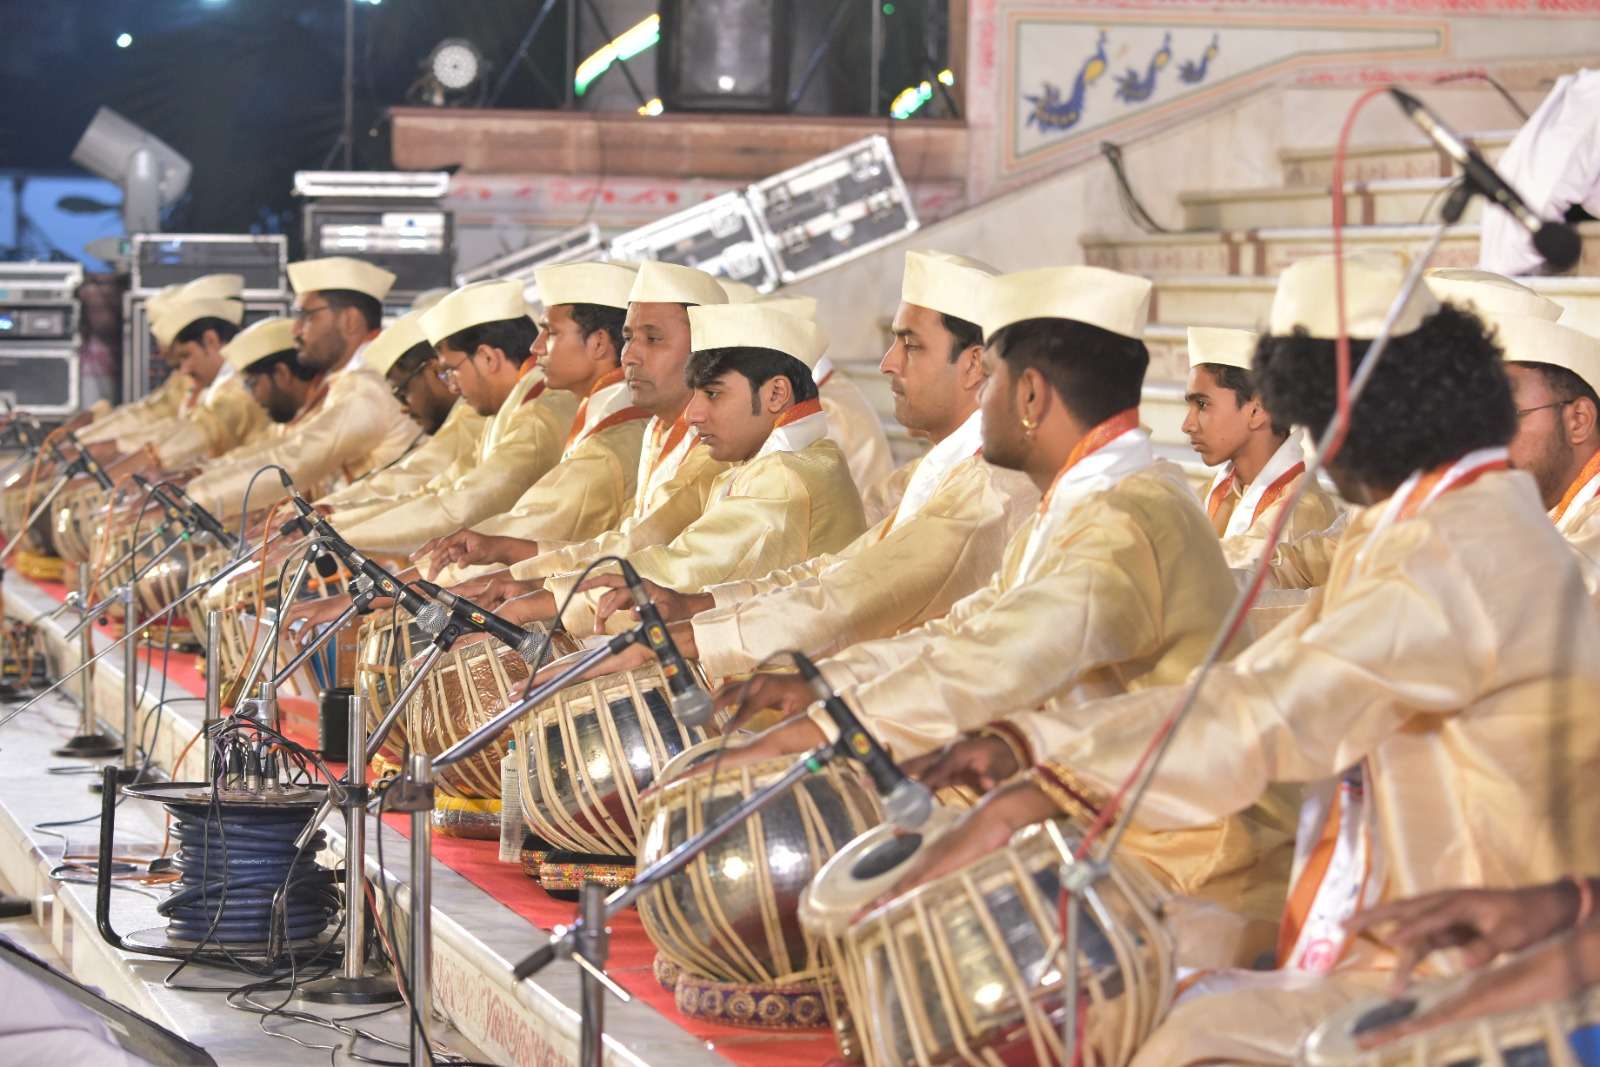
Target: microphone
column 202, row 519
column 691, row 705
column 907, row 803
column 1557, row 243
column 431, row 618
column 514, row 637
column 89, row 464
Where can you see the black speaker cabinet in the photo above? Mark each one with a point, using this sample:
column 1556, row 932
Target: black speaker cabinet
column 725, row 55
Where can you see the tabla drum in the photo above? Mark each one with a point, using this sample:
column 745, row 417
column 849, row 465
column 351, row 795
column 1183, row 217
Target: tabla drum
column 966, row 969
column 77, row 511
column 1562, row 1033
column 728, row 922
column 161, row 585
column 588, row 753
column 18, row 501
column 381, row 670
column 471, row 684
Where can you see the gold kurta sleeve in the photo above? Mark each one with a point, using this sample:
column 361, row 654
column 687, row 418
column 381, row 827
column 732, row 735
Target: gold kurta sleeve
column 359, row 426
column 585, row 495
column 1306, row 561
column 227, row 417
column 1315, row 512
column 682, row 500
column 1456, row 654
column 883, row 582
column 527, row 443
column 855, row 427
column 768, row 513
column 162, row 403
column 1126, row 593
column 456, row 439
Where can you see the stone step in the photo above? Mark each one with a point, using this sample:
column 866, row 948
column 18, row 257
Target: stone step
column 1224, row 300
column 1380, row 203
column 1382, row 162
column 1266, row 252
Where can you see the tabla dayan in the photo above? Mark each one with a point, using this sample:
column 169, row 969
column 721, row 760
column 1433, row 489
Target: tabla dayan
column 727, row 926
column 471, row 684
column 965, row 968
column 1563, row 1033
column 586, row 755
column 380, row 669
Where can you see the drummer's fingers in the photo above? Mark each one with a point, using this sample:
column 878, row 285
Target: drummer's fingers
column 601, row 581
column 1399, row 912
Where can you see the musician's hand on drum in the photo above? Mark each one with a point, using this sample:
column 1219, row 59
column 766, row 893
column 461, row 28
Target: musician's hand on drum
column 673, row 605
column 537, row 606
column 1557, row 969
column 981, row 831
column 979, row 763
column 786, row 693
column 785, row 739
column 1480, row 923
column 316, row 612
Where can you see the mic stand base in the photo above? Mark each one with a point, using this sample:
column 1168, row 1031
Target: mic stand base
column 89, row 746
column 365, row 989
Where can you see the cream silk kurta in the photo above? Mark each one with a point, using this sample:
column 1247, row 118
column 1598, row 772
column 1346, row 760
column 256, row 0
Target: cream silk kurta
column 225, row 418
column 855, row 427
column 1578, row 519
column 1244, row 517
column 1118, row 584
column 456, row 441
column 905, row 570
column 671, row 487
column 1455, row 658
column 162, row 403
column 520, row 444
column 357, row 428
column 779, row 508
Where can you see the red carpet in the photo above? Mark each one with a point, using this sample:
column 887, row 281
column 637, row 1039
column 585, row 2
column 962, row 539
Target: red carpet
column 478, row 862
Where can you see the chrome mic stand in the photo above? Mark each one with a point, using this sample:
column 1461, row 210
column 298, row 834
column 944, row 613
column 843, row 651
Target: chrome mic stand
column 91, row 742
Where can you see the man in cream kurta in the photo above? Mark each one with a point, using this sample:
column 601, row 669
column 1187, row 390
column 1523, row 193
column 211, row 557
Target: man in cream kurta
column 223, row 415
column 673, row 479
column 853, row 424
column 788, row 495
column 354, row 424
column 1435, row 696
column 952, row 512
column 1554, row 371
column 1261, row 464
column 411, row 368
column 164, row 401
column 579, row 344
column 484, row 336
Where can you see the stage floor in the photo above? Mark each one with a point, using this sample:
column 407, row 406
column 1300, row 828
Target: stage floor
column 487, row 914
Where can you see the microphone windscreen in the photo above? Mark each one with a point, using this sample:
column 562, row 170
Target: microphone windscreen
column 1558, row 245
column 327, row 566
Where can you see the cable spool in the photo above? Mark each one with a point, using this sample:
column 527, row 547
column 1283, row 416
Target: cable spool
column 243, row 888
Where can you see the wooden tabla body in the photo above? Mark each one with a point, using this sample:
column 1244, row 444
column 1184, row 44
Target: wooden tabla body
column 732, row 915
column 161, row 584
column 471, row 684
column 1562, row 1033
column 965, row 969
column 381, row 670
column 244, row 595
column 588, row 752
column 17, row 502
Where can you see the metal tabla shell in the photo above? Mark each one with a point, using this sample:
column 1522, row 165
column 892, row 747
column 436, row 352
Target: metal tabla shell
column 572, row 746
column 1558, row 1033
column 470, row 685
column 732, row 915
column 963, row 969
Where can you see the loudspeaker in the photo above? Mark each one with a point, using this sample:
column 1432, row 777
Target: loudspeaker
column 725, row 55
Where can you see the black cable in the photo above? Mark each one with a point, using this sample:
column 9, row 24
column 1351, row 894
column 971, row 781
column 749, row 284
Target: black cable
column 1478, row 75
column 1130, row 200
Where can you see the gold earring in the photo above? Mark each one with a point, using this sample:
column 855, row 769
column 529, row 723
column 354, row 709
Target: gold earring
column 1028, row 426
